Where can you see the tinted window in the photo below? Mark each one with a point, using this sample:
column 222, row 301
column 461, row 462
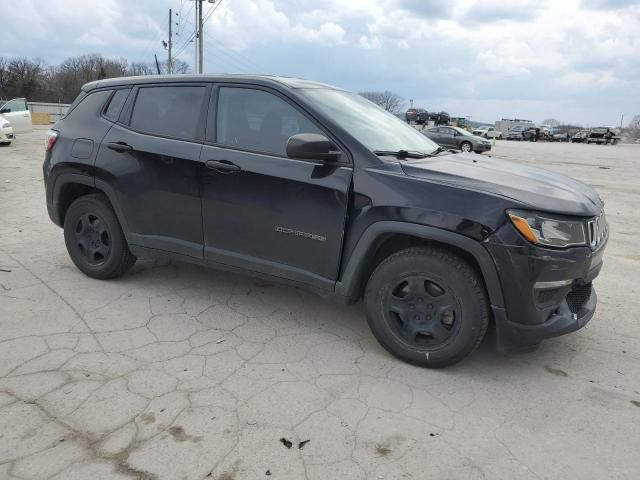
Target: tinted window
column 258, row 121
column 89, row 105
column 168, row 111
column 115, row 105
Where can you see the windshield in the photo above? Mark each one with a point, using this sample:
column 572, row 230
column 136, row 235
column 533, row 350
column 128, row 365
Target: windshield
column 462, row 131
column 372, row 126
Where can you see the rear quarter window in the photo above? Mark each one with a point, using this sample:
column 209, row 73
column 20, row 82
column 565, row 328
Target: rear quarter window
column 112, row 112
column 88, row 106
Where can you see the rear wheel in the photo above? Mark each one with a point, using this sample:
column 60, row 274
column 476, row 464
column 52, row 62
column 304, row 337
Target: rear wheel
column 94, row 238
column 427, row 307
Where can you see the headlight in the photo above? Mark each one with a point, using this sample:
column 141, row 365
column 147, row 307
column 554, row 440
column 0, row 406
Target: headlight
column 5, row 125
column 547, row 230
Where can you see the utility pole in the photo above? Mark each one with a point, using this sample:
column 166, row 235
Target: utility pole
column 170, row 60
column 200, row 37
column 198, row 5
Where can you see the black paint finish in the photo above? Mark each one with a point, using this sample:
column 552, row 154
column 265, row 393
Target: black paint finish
column 317, row 223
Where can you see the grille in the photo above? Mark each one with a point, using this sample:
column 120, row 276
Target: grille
column 577, row 297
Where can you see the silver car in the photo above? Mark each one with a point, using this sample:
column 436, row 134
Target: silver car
column 458, row 138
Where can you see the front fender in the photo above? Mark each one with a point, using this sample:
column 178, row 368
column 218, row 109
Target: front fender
column 348, row 284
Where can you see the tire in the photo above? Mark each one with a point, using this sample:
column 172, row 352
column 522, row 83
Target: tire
column 442, row 293
column 466, row 147
column 94, row 238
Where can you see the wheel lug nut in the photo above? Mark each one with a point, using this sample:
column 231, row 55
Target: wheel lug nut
column 412, row 306
column 417, row 317
column 428, row 317
column 420, row 300
column 430, row 305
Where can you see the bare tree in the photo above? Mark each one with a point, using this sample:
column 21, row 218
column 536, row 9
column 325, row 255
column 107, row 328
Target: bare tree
column 632, row 132
column 391, row 102
column 551, row 122
column 31, row 78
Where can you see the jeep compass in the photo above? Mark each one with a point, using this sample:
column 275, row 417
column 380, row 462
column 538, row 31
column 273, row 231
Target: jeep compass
column 312, row 185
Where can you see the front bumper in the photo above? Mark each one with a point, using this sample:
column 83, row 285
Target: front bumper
column 482, row 147
column 547, row 292
column 6, row 135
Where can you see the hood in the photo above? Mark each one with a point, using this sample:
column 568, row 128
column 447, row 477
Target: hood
column 530, row 187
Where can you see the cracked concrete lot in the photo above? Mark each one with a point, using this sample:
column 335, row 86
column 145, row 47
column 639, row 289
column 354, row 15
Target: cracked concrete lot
column 177, row 372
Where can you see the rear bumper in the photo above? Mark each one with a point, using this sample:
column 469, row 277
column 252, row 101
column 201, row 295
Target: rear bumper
column 547, row 292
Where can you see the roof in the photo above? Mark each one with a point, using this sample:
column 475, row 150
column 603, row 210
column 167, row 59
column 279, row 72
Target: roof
column 259, row 79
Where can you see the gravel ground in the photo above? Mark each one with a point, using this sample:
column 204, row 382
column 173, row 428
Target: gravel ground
column 177, row 372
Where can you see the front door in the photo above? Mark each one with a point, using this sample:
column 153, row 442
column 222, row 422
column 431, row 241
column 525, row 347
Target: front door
column 262, row 210
column 150, row 164
column 447, row 136
column 18, row 114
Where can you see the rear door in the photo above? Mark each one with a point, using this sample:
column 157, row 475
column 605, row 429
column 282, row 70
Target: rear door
column 17, row 112
column 446, row 136
column 267, row 212
column 149, row 162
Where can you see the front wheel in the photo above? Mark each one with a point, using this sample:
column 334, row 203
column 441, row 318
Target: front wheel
column 94, row 238
column 466, row 146
column 427, row 306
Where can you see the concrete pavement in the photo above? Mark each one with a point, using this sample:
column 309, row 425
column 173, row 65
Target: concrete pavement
column 178, row 372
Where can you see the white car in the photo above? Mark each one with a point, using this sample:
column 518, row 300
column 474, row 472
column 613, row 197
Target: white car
column 487, row 132
column 6, row 132
column 17, row 114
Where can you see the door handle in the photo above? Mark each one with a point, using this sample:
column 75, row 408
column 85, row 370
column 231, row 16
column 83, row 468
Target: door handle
column 222, row 166
column 119, row 147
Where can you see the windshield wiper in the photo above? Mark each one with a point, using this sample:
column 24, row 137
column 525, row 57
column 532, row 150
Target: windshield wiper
column 437, row 151
column 401, row 154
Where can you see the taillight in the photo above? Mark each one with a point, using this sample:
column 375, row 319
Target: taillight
column 50, row 140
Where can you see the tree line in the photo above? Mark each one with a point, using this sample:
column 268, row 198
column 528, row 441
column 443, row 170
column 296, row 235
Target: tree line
column 36, row 81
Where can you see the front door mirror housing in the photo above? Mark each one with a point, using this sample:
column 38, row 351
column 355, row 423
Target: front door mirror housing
column 312, row 146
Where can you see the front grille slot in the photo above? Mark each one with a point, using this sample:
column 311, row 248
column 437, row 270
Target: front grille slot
column 578, row 297
column 597, row 229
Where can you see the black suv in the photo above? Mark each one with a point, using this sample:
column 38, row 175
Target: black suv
column 316, row 186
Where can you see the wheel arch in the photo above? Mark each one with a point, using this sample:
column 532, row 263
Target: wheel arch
column 69, row 187
column 385, row 238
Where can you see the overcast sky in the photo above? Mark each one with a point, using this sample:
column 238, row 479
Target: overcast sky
column 575, row 60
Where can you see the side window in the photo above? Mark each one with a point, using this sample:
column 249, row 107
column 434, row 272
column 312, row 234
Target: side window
column 17, row 105
column 257, row 120
column 447, row 131
column 169, row 111
column 89, row 106
column 115, row 105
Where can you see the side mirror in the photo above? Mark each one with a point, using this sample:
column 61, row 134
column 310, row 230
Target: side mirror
column 311, row 146
column 5, row 110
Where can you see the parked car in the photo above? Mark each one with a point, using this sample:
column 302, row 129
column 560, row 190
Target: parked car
column 580, row 136
column 458, row 138
column 440, row 118
column 517, row 132
column 6, row 132
column 315, row 186
column 601, row 136
column 17, row 113
column 560, row 136
column 417, row 115
column 487, row 132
